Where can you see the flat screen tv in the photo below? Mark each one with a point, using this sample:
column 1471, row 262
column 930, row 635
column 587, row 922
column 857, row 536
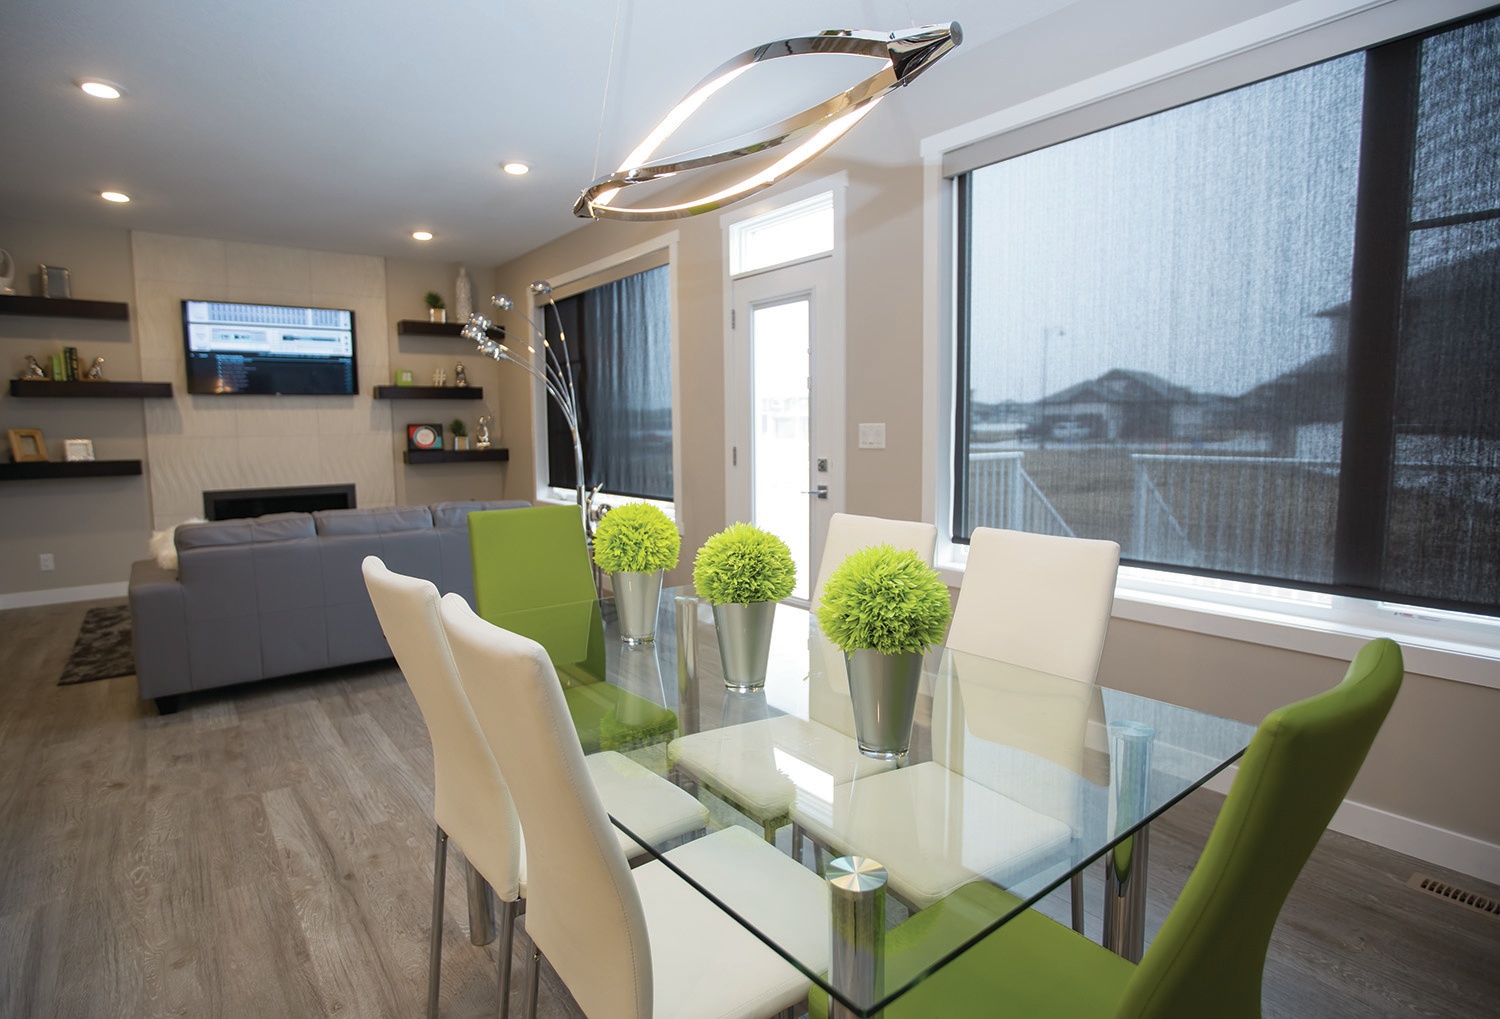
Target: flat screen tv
column 268, row 349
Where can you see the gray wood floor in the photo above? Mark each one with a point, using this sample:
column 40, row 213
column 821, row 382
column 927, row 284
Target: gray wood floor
column 267, row 851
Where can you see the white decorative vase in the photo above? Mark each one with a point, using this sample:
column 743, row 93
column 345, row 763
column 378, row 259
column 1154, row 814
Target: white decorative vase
column 463, row 296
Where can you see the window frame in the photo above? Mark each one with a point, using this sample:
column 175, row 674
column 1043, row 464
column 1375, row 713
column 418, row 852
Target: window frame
column 1450, row 645
column 536, row 306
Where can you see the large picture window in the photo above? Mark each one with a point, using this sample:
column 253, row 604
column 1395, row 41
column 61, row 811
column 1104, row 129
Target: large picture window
column 620, row 342
column 1255, row 337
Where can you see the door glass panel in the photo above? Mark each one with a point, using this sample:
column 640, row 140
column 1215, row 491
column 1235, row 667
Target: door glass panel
column 779, row 401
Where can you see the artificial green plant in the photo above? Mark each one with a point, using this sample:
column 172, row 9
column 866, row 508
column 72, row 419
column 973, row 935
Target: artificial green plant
column 884, row 599
column 743, row 564
column 636, row 538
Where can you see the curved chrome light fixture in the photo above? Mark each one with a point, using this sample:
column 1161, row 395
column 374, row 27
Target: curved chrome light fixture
column 906, row 55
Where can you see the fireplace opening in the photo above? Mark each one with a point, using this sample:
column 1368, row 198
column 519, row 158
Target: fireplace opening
column 256, row 502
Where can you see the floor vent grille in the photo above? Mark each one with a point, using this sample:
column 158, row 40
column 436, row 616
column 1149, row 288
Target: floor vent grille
column 1455, row 895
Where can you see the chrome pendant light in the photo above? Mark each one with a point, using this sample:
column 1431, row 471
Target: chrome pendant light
column 905, row 55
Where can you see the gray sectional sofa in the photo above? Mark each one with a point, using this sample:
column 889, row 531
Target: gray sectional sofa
column 282, row 594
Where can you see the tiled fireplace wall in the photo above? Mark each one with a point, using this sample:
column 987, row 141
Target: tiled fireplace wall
column 200, row 443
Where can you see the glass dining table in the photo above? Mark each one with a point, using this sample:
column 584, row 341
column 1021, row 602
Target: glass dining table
column 1014, row 778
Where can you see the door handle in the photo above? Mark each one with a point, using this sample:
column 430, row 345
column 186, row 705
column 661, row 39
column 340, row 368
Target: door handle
column 820, row 492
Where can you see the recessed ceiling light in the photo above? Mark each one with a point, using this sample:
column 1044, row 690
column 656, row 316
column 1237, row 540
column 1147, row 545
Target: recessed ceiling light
column 114, row 196
column 421, row 235
column 100, row 89
column 515, row 169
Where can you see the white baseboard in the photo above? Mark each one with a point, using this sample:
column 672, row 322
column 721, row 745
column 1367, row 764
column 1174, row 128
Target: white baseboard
column 58, row 595
column 1450, row 849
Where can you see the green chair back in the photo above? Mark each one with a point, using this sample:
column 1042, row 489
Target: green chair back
column 528, row 558
column 1209, row 956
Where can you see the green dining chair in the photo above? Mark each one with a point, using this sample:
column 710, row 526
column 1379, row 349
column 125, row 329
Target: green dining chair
column 536, row 557
column 1208, row 958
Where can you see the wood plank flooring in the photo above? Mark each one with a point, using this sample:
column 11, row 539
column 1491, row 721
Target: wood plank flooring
column 267, row 852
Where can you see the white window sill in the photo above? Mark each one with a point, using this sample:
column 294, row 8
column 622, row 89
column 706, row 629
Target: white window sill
column 1463, row 649
column 557, row 497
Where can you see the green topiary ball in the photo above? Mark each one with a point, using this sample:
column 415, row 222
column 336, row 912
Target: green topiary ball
column 636, row 538
column 743, row 564
column 884, row 599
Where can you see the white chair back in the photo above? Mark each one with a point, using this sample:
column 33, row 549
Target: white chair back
column 582, row 907
column 1036, row 600
column 470, row 799
column 848, row 533
column 828, row 688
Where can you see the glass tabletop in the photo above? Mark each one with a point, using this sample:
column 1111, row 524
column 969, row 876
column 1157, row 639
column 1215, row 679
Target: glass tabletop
column 1015, row 779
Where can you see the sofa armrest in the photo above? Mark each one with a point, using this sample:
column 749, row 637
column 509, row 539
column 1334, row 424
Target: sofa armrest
column 159, row 625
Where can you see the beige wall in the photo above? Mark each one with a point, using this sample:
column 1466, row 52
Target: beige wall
column 96, row 527
column 93, row 527
column 1434, row 760
column 884, row 347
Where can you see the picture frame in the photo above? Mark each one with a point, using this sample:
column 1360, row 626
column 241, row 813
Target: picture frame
column 56, row 282
column 78, row 449
column 27, row 445
column 424, row 436
column 405, row 377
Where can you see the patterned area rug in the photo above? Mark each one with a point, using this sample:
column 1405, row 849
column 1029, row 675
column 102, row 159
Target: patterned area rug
column 103, row 649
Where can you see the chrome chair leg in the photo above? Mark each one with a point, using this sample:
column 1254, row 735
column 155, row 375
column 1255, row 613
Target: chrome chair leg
column 796, row 842
column 533, row 971
column 1075, row 887
column 508, row 912
column 481, row 909
column 435, row 949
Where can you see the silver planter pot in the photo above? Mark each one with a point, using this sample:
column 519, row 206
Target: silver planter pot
column 636, row 598
column 744, row 633
column 883, row 689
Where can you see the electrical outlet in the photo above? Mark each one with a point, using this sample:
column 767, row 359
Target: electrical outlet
column 872, row 436
column 45, row 562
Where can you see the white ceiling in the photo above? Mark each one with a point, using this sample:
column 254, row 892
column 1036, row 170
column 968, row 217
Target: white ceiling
column 344, row 125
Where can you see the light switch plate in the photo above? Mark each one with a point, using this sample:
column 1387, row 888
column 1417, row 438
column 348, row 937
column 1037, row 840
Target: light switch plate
column 872, row 436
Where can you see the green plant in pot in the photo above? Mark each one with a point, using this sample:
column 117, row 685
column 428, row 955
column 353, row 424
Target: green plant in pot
column 436, row 308
column 634, row 543
column 884, row 607
column 744, row 571
column 460, row 433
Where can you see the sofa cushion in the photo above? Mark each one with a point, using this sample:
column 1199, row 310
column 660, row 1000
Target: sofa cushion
column 244, row 531
column 376, row 520
column 456, row 514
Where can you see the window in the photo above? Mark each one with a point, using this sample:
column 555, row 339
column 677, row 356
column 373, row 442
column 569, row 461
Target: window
column 620, row 347
column 801, row 230
column 1255, row 337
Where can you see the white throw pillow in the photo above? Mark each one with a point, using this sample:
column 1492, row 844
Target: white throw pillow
column 164, row 544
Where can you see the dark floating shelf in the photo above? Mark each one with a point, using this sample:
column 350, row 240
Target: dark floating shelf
column 429, row 392
column 36, row 470
column 101, row 389
column 63, row 307
column 456, row 456
column 414, row 327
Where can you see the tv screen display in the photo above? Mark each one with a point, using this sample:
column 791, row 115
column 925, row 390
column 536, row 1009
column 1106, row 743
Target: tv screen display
column 268, row 349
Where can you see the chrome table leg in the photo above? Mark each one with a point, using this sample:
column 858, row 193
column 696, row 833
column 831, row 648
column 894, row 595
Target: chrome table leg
column 435, row 948
column 856, row 886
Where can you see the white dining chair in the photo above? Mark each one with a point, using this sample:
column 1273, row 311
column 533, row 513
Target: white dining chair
column 471, row 803
column 984, row 805
column 639, row 944
column 756, row 766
